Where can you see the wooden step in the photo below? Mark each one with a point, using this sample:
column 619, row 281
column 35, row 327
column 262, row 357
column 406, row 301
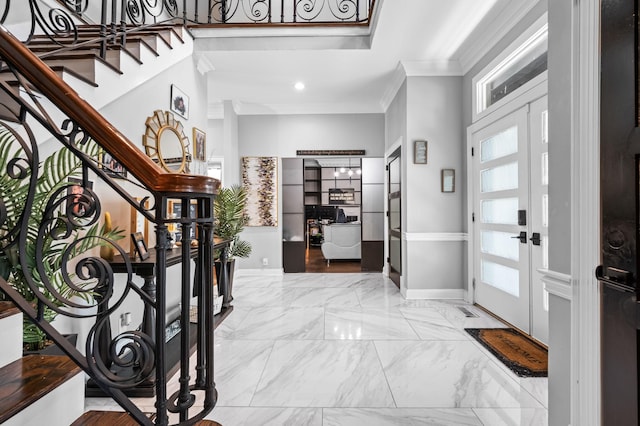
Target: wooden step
column 29, row 379
column 118, row 418
column 8, row 309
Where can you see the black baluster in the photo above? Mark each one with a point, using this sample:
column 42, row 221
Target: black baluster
column 161, row 311
column 185, row 399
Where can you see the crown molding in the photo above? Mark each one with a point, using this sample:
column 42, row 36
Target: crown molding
column 480, row 45
column 398, row 77
column 437, row 68
column 204, row 65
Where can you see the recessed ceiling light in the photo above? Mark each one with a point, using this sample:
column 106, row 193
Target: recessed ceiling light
column 299, row 86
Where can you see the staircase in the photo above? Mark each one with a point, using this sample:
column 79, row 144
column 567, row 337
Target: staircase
column 38, row 389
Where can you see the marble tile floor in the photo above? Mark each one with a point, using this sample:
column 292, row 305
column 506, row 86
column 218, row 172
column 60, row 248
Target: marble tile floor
column 349, row 350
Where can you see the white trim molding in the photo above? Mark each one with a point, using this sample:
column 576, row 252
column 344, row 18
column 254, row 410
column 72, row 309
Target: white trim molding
column 585, row 214
column 434, row 293
column 435, row 236
column 557, row 283
column 271, row 272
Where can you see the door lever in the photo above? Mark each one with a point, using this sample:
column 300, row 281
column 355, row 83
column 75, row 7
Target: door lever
column 522, row 237
column 535, row 238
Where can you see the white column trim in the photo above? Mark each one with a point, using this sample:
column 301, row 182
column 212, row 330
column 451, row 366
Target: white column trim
column 435, row 236
column 585, row 218
column 557, row 283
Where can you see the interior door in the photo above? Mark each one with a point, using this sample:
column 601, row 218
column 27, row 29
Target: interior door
column 501, row 237
column 394, row 199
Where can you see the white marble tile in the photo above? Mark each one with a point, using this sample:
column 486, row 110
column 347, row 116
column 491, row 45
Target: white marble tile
column 256, row 281
column 277, row 323
column 379, row 297
column 232, row 321
column 538, row 387
column 448, row 374
column 323, row 374
column 238, row 366
column 316, row 297
column 260, row 297
column 512, row 416
column 367, row 324
column 431, row 325
column 249, row 416
column 399, row 417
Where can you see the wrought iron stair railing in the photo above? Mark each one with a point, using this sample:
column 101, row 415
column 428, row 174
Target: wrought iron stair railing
column 78, row 284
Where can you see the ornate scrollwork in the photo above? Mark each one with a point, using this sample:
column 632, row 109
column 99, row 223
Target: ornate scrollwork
column 344, row 10
column 308, row 10
column 132, row 353
column 138, row 11
column 256, row 10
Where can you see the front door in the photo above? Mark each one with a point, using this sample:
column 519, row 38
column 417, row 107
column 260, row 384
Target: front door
column 510, row 199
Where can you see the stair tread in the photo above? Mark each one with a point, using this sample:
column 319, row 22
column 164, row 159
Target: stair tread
column 7, row 309
column 119, row 418
column 28, row 379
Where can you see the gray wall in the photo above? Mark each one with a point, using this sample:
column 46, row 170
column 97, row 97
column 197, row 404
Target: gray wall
column 281, row 136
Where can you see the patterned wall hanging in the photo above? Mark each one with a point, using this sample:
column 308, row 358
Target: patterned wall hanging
column 260, row 178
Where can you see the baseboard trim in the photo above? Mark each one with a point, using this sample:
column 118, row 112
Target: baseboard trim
column 428, row 293
column 272, row 272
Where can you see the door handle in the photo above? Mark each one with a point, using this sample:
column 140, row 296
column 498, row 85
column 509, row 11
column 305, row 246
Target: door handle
column 522, row 237
column 535, row 238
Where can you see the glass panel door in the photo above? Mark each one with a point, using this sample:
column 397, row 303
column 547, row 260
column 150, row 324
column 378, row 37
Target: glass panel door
column 501, row 264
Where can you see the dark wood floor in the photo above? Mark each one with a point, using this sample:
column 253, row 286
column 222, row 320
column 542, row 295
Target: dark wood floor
column 315, row 262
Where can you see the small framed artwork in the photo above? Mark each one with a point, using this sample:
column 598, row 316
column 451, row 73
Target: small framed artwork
column 139, row 224
column 78, row 203
column 111, row 166
column 179, row 102
column 174, row 209
column 200, row 140
column 448, row 180
column 140, row 245
column 420, row 152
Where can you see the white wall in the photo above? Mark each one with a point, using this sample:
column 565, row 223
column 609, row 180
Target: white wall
column 280, row 136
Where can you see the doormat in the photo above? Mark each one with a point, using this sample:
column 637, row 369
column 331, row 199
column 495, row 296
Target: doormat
column 522, row 355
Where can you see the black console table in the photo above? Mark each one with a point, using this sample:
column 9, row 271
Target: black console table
column 146, row 269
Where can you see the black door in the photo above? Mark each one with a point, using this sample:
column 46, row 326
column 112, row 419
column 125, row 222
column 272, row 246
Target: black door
column 620, row 146
column 394, row 198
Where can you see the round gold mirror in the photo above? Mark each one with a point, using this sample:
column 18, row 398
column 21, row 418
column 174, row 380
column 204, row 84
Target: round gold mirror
column 165, row 142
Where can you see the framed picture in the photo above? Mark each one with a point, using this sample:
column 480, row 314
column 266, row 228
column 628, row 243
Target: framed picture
column 420, row 152
column 179, row 102
column 138, row 224
column 199, row 141
column 77, row 201
column 174, row 210
column 448, row 180
column 260, row 179
column 111, row 166
column 140, row 245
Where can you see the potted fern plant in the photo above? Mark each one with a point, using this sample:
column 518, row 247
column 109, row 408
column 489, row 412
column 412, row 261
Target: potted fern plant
column 53, row 177
column 229, row 221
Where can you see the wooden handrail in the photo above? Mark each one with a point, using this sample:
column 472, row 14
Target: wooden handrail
column 46, row 81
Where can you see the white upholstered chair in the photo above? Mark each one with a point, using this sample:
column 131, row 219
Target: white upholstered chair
column 341, row 241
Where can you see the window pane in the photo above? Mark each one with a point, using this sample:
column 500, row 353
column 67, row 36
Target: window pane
column 503, row 210
column 500, row 145
column 545, row 168
column 501, row 277
column 545, row 210
column 545, row 127
column 545, row 252
column 499, row 178
column 500, row 244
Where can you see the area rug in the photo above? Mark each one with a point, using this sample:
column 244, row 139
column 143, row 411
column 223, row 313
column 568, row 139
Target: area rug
column 522, row 355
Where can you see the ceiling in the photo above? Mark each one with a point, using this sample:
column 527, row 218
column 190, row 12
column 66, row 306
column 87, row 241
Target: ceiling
column 350, row 70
